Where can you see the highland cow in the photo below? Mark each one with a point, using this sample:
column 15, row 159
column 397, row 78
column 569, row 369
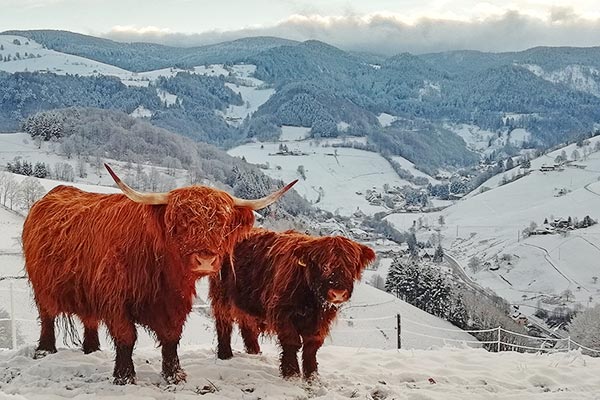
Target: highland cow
column 289, row 284
column 126, row 259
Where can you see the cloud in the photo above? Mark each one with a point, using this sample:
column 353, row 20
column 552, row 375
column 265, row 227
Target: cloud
column 389, row 33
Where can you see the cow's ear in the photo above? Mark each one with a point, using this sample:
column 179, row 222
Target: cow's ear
column 301, row 255
column 367, row 256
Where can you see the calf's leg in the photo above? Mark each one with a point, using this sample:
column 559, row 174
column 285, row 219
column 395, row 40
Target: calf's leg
column 224, row 325
column 250, row 335
column 289, row 341
column 310, row 346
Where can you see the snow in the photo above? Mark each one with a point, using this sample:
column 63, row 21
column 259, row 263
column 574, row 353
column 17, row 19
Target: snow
column 340, row 176
column 579, row 77
column 51, row 61
column 386, row 119
column 490, row 224
column 141, row 112
column 410, row 167
column 253, row 91
column 344, row 373
column 167, row 98
column 476, row 138
column 293, row 133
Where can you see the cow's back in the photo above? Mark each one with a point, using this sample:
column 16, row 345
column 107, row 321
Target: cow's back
column 71, row 242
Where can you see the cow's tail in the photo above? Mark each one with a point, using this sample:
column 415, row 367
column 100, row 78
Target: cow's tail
column 67, row 325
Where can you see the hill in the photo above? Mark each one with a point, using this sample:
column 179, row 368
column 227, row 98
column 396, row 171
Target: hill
column 552, row 268
column 140, row 57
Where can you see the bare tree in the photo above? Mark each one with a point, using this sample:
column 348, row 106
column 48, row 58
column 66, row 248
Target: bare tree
column 8, row 189
column 30, row 191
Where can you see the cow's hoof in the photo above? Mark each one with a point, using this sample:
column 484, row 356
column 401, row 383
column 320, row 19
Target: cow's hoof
column 90, row 349
column 124, row 380
column 175, row 378
column 224, row 355
column 40, row 353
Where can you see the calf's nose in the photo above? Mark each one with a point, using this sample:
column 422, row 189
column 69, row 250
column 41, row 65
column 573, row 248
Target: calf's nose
column 337, row 295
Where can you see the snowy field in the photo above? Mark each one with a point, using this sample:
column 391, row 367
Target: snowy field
column 341, row 172
column 490, row 224
column 345, row 372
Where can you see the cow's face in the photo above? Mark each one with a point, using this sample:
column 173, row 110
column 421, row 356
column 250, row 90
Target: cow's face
column 205, row 224
column 332, row 265
column 202, row 223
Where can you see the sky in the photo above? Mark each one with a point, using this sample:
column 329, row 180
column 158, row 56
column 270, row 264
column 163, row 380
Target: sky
column 380, row 26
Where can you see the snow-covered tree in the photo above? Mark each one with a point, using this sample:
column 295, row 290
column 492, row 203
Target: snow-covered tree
column 8, row 189
column 585, row 329
column 30, row 191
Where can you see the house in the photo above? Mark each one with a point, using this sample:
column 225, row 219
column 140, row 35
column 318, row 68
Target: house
column 359, row 234
column 544, row 230
column 546, row 168
column 519, row 318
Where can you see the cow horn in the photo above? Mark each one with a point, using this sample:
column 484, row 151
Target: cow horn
column 138, row 197
column 265, row 201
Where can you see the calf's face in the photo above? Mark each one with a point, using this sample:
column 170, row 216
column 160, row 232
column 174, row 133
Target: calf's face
column 332, row 265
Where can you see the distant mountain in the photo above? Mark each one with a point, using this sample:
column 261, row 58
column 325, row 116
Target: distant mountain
column 140, row 57
column 552, row 93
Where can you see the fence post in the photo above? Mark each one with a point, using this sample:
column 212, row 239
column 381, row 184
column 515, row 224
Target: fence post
column 399, row 330
column 13, row 322
column 569, row 343
column 499, row 339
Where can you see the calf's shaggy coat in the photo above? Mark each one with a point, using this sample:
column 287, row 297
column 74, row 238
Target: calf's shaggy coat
column 288, row 284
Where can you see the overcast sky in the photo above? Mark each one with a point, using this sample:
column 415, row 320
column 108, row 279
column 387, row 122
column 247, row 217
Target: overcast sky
column 383, row 26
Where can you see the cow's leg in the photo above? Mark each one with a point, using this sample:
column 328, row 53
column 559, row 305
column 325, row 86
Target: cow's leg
column 169, row 336
column 171, row 369
column 310, row 346
column 250, row 333
column 124, row 335
column 47, row 343
column 224, row 325
column 91, row 342
column 289, row 341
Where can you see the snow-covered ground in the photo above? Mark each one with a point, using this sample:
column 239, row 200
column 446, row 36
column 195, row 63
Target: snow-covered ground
column 490, row 224
column 386, row 119
column 341, row 172
column 344, row 372
column 50, row 60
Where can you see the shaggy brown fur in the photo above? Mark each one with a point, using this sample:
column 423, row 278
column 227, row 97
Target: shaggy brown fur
column 288, row 284
column 103, row 257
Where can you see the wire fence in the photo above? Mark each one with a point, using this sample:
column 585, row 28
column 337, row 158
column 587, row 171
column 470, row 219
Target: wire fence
column 389, row 326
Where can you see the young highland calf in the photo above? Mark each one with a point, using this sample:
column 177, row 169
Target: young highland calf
column 288, row 284
column 126, row 259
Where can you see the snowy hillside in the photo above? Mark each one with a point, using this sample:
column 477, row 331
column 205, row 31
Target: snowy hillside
column 336, row 179
column 30, row 56
column 21, row 55
column 579, row 77
column 489, row 225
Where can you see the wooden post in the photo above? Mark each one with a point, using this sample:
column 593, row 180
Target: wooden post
column 13, row 322
column 499, row 339
column 399, row 330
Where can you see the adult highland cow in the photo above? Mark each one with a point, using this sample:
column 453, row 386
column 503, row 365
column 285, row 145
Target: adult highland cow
column 288, row 284
column 129, row 258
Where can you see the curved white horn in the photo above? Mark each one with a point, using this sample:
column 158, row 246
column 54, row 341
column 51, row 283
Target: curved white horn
column 138, row 197
column 265, row 201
